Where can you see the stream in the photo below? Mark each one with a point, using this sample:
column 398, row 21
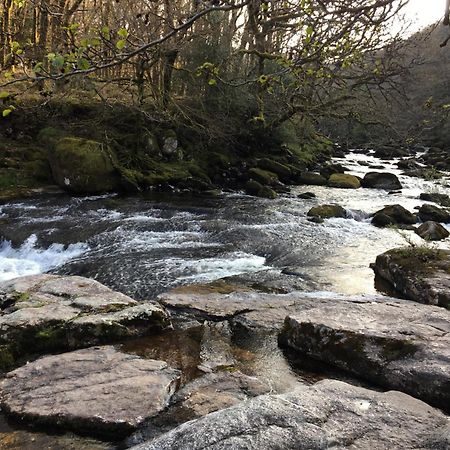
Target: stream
column 146, row 245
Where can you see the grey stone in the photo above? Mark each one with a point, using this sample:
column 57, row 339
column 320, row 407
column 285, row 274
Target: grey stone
column 45, row 313
column 421, row 275
column 330, row 414
column 99, row 391
column 403, row 346
column 212, row 392
column 433, row 213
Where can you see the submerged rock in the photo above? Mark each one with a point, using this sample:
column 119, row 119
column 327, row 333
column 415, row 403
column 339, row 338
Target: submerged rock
column 344, row 181
column 328, row 414
column 397, row 345
column 432, row 231
column 99, row 391
column 327, row 212
column 306, row 195
column 44, row 313
column 381, row 180
column 420, row 274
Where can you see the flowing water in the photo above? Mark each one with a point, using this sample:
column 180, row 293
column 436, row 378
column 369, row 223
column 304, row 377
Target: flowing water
column 145, row 245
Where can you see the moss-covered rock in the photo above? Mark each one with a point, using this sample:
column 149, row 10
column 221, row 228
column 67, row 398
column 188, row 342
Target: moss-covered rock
column 252, row 187
column 283, row 172
column 344, row 181
column 82, row 166
column 327, row 211
column 263, row 176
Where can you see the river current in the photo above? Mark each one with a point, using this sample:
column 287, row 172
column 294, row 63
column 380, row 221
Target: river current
column 144, row 245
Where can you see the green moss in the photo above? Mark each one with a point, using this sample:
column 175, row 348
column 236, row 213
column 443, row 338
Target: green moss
column 20, row 296
column 327, row 211
column 46, row 339
column 263, row 176
column 345, row 181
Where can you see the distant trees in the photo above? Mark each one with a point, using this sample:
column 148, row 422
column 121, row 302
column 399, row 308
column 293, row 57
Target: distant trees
column 214, row 64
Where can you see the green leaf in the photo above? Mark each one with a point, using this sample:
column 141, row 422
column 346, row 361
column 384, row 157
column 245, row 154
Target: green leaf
column 83, row 64
column 212, row 82
column 58, row 61
column 123, row 33
column 121, row 44
column 7, row 112
column 3, row 95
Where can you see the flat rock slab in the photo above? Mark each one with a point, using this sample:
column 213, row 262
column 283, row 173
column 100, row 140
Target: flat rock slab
column 399, row 345
column 421, row 275
column 330, row 414
column 212, row 392
column 99, row 391
column 45, row 313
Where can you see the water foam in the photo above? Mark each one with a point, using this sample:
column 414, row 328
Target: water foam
column 211, row 269
column 29, row 259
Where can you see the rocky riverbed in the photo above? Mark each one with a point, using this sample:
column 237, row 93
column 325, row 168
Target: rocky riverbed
column 242, row 327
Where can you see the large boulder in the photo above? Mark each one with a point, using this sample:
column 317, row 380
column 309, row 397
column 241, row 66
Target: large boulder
column 327, row 212
column 433, row 213
column 45, row 313
column 381, row 180
column 393, row 215
column 420, row 274
column 264, row 177
column 400, row 346
column 344, row 181
column 330, row 414
column 255, row 188
column 82, row 166
column 99, row 391
column 432, row 231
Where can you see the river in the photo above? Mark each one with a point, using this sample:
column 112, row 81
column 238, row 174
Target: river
column 145, row 245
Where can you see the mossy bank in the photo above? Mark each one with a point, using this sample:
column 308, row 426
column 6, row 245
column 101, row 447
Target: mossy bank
column 89, row 147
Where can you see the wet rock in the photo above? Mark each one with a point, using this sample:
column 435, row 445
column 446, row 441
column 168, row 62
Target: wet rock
column 82, row 166
column 393, row 215
column 331, row 169
column 376, row 166
column 408, row 164
column 312, row 178
column 381, row 180
column 432, row 231
column 255, row 188
column 45, row 313
column 99, row 391
column 441, row 199
column 210, row 393
column 328, row 414
column 418, row 274
column 390, row 152
column 399, row 346
column 283, row 172
column 306, row 195
column 263, row 176
column 433, row 213
column 345, row 181
column 315, row 219
column 327, row 211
